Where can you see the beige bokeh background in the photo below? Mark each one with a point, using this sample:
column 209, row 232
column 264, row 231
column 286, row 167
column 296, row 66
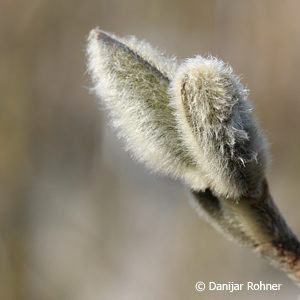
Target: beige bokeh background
column 78, row 218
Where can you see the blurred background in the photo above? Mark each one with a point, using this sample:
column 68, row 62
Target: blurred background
column 78, row 218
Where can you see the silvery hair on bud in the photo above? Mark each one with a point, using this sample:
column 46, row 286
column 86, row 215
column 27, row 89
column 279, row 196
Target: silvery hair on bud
column 215, row 122
column 192, row 121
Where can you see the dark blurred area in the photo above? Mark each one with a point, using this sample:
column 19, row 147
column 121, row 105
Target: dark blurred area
column 78, row 218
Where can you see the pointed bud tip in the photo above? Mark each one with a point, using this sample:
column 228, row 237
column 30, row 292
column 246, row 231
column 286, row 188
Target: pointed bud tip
column 101, row 36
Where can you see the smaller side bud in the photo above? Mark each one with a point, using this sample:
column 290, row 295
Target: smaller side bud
column 216, row 124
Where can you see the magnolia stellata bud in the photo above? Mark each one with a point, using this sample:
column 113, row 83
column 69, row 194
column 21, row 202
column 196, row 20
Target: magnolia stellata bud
column 194, row 121
column 191, row 121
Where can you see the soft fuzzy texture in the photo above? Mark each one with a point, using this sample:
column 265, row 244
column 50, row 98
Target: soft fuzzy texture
column 132, row 79
column 215, row 122
column 191, row 121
